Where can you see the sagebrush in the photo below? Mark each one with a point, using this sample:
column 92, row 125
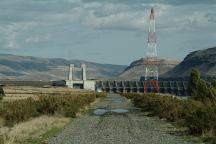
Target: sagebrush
column 68, row 105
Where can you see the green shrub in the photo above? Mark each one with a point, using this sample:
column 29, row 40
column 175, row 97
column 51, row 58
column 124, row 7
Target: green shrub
column 201, row 90
column 213, row 140
column 213, row 83
column 190, row 106
column 202, row 120
column 1, row 93
column 101, row 95
column 18, row 111
column 162, row 106
column 21, row 110
column 47, row 104
column 205, row 93
column 193, row 83
column 67, row 105
column 171, row 108
column 130, row 95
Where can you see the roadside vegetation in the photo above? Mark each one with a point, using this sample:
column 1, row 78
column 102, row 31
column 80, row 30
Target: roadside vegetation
column 21, row 119
column 2, row 94
column 34, row 131
column 197, row 113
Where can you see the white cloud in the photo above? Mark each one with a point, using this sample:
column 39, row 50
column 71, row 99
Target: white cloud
column 8, row 37
column 74, row 1
column 122, row 16
column 92, row 5
column 121, row 20
column 37, row 39
column 10, row 34
column 195, row 19
column 12, row 43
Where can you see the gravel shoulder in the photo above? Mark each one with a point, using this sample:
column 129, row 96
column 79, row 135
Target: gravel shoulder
column 114, row 120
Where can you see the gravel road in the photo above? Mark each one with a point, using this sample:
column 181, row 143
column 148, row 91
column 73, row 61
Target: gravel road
column 114, row 120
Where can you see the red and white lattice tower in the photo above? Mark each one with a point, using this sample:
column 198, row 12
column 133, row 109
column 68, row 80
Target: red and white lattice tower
column 151, row 62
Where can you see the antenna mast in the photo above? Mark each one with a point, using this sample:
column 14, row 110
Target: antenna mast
column 151, row 62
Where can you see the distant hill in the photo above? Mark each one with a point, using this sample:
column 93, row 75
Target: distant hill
column 203, row 60
column 36, row 68
column 137, row 68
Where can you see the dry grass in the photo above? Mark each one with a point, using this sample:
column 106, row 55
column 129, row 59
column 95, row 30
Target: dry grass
column 31, row 129
column 23, row 92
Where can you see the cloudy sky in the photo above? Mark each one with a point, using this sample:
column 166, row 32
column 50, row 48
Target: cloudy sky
column 105, row 31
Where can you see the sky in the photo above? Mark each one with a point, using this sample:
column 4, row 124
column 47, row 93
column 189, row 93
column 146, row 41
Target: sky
column 105, row 31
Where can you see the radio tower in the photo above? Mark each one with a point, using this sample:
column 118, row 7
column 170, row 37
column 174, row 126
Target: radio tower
column 151, row 62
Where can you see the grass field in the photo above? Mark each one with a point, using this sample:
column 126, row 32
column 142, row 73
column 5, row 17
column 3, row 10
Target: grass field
column 22, row 92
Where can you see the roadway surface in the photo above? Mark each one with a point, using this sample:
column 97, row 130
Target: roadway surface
column 114, row 120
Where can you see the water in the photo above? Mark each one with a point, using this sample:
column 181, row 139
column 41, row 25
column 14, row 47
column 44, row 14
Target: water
column 119, row 111
column 99, row 112
column 115, row 105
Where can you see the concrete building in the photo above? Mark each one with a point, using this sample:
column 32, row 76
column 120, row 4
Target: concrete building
column 82, row 83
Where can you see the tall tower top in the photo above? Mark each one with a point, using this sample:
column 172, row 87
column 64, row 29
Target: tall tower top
column 152, row 11
column 152, row 14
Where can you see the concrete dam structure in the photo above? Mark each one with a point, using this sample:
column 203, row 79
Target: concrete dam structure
column 82, row 83
column 179, row 88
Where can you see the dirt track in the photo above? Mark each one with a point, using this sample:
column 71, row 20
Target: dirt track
column 114, row 120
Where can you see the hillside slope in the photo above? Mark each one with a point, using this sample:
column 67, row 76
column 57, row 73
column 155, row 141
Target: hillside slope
column 137, row 68
column 35, row 68
column 203, row 60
